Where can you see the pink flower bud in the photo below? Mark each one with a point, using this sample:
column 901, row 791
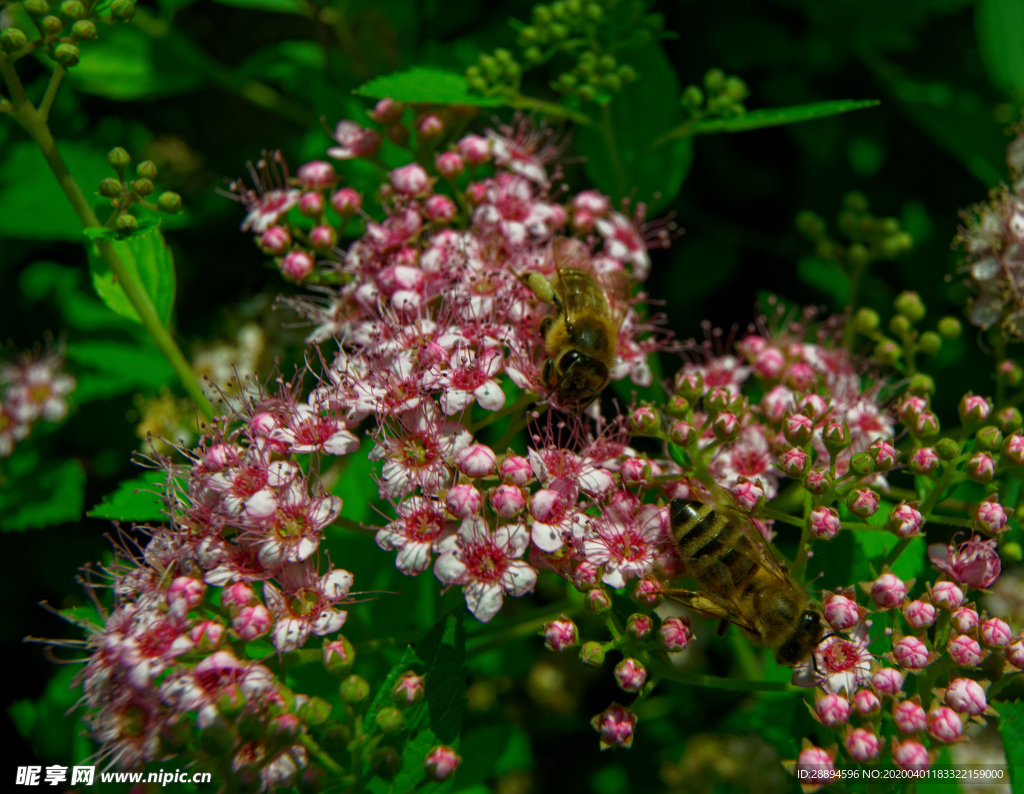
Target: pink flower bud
column 235, row 596
column 836, row 435
column 449, row 164
column 346, row 202
column 583, row 221
column 841, row 612
column 964, row 651
column 909, row 716
column 630, row 674
column 316, row 174
column 339, row 656
column 1015, row 653
column 905, row 521
column 263, row 424
column 561, row 634
column 818, row 481
column 639, row 626
column 927, row 424
column 888, row 591
column 476, row 460
column 644, row 420
column 474, row 149
column 923, row 460
column 883, row 455
column 184, row 594
column 507, row 500
column 911, row 653
column 795, row 462
column 476, row 193
column 516, row 469
column 945, row 724
column 387, row 111
column 323, row 238
column 276, row 240
column 966, row 696
column 598, row 601
column 887, row 681
column 441, row 763
column 981, row 467
column 462, row 500
column 1013, row 449
column 974, row 409
column 832, row 710
column 798, row 429
column 769, row 363
column 675, row 633
column 748, row 495
column 408, row 689
column 813, row 406
column 615, row 725
column 910, row 754
column 410, row 179
column 813, row 763
column 592, row 201
column 963, row 619
column 800, row 376
column 690, row 385
column 863, row 502
column 648, row 593
column 635, row 470
column 251, row 622
column 862, row 745
column 867, row 702
column 439, row 208
column 311, row 204
column 296, row 265
column 995, row 632
column 825, row 523
column 430, row 126
column 990, row 517
column 910, row 408
column 919, row 613
column 947, row 595
column 206, row 636
column 682, row 433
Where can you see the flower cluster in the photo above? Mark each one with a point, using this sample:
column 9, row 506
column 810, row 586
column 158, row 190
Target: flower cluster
column 32, row 389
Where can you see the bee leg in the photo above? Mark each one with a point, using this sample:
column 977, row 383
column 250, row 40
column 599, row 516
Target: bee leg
column 545, row 326
column 548, row 371
column 723, row 624
column 539, row 286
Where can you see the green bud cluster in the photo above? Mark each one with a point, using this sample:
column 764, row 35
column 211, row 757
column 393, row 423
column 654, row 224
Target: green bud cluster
column 721, row 97
column 594, row 77
column 125, row 193
column 869, row 238
column 495, row 72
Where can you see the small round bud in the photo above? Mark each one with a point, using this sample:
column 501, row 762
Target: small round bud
column 12, row 39
column 818, row 481
column 146, row 169
column 339, row 656
column 169, row 202
column 836, row 436
column 110, row 187
column 714, row 79
column 690, row 385
column 441, row 763
column 923, row 460
column 947, row 448
column 974, row 409
column 592, row 653
column 631, row 675
column 832, row 710
column 1010, row 372
column 639, row 626
column 386, row 762
column 950, row 328
column 812, row 225
column 988, row 439
column 981, row 467
column 930, row 343
column 1009, row 420
column 52, row 25
column 927, row 424
column 866, row 321
column 560, row 635
column 296, row 266
column 142, row 186
column 67, row 55
column 72, row 9
column 354, row 690
column 648, row 593
column 122, row 10
column 888, row 591
column 84, row 30
column 798, row 429
column 900, row 324
column 921, row 384
column 118, row 159
column 408, row 690
column 598, row 601
column 314, row 711
column 861, row 463
column 645, row 421
column 126, row 223
column 37, row 7
column 863, row 502
column 323, row 238
column 888, row 352
column 909, row 303
column 824, row 523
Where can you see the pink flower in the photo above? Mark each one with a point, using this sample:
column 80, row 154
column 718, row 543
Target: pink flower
column 910, row 754
column 841, row 612
column 909, row 716
column 184, row 595
column 887, row 681
column 947, row 595
column 476, row 460
column 346, row 202
column 843, row 664
column 419, row 453
column 981, row 467
column 561, row 634
column 449, row 164
column 316, row 174
column 439, row 208
column 863, row 502
column 975, row 562
column 945, row 724
column 353, row 141
column 1015, row 653
column 966, row 696
column 974, row 408
column 486, row 564
column 470, row 379
column 626, row 542
column 410, row 179
column 507, row 500
column 888, row 591
column 963, row 619
column 923, row 460
column 251, row 622
column 517, row 151
column 630, row 675
column 615, row 724
column 867, row 702
column 409, row 689
column 276, row 240
column 475, row 149
column 429, row 126
column 516, row 469
column 825, row 523
column 964, row 651
column 995, row 632
column 417, row 532
column 441, row 762
column 862, row 745
column 307, row 428
column 794, row 462
column 267, row 209
column 919, row 613
column 235, row 596
column 624, row 242
column 639, row 626
column 991, row 517
column 675, row 633
column 814, row 764
column 462, row 500
column 296, row 265
column 911, row 654
column 832, row 710
column 905, row 521
column 769, row 363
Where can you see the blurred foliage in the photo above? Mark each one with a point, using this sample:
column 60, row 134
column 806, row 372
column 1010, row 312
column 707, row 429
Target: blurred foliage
column 199, row 87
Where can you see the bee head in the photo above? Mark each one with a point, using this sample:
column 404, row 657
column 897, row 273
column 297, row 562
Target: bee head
column 579, row 377
column 801, row 642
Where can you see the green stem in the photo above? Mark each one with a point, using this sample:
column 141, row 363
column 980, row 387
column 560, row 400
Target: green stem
column 51, row 92
column 608, row 133
column 666, row 670
column 321, row 755
column 897, row 550
column 855, row 279
column 34, row 122
column 552, row 109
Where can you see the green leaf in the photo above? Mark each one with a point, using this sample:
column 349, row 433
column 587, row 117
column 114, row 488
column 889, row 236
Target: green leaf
column 425, row 85
column 79, row 308
column 40, row 493
column 278, row 6
column 128, row 63
column 999, row 27
column 107, row 368
column 828, row 276
column 771, row 117
column 32, row 205
column 138, row 499
column 45, row 723
column 149, row 260
column 105, row 233
column 1011, row 729
column 621, row 155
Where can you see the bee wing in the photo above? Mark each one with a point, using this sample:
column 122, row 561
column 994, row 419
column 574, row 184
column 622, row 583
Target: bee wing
column 619, row 290
column 771, row 563
column 715, row 608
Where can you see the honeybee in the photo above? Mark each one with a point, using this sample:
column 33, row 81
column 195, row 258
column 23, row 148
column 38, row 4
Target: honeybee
column 743, row 583
column 581, row 336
